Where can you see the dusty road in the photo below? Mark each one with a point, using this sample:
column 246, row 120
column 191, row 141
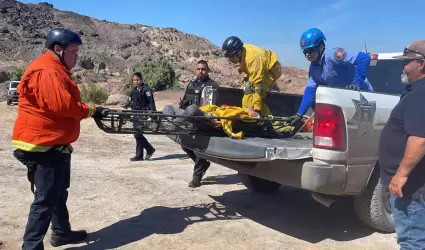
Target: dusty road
column 148, row 205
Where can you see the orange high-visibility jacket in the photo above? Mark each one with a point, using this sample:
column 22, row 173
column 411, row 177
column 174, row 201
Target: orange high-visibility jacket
column 49, row 108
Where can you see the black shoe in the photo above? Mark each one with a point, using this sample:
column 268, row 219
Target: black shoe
column 136, row 158
column 73, row 237
column 149, row 155
column 196, row 181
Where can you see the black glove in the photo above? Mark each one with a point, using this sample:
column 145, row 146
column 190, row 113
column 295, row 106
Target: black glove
column 295, row 119
column 352, row 86
column 100, row 112
column 184, row 104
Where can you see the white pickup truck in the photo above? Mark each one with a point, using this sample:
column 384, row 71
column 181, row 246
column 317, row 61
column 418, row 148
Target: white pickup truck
column 338, row 159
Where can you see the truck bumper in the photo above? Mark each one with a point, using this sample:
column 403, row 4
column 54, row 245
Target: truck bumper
column 13, row 98
column 303, row 174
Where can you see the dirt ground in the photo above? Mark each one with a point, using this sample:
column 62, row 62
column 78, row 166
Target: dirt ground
column 148, row 205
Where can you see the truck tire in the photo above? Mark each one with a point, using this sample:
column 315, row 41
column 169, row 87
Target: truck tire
column 373, row 206
column 257, row 184
column 9, row 102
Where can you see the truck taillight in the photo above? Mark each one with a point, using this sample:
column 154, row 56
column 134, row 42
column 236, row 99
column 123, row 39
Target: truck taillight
column 373, row 59
column 329, row 127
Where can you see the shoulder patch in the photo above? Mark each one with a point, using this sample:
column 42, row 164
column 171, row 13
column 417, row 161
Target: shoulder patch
column 339, row 54
column 148, row 93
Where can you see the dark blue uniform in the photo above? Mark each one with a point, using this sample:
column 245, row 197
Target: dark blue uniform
column 191, row 96
column 337, row 68
column 142, row 99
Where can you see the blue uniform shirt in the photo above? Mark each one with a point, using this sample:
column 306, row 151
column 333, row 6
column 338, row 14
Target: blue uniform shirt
column 142, row 98
column 337, row 68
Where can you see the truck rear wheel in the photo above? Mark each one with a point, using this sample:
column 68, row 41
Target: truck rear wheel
column 257, row 184
column 373, row 206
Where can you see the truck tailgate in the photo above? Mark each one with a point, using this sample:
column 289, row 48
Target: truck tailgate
column 249, row 149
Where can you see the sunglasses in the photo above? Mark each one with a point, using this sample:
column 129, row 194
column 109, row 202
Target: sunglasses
column 407, row 51
column 310, row 50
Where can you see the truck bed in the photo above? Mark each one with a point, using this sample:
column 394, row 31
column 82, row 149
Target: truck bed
column 249, row 149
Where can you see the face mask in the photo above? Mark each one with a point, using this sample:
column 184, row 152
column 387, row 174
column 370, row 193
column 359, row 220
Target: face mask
column 404, row 79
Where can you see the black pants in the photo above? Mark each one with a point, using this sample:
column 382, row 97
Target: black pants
column 201, row 165
column 51, row 175
column 142, row 143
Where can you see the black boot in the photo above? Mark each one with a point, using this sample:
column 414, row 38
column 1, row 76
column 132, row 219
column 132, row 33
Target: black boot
column 136, row 158
column 149, row 155
column 72, row 238
column 196, row 181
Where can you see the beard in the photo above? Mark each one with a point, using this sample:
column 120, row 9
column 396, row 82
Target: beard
column 404, row 78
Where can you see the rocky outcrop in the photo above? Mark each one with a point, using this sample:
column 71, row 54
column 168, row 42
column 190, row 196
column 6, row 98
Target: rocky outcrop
column 111, row 48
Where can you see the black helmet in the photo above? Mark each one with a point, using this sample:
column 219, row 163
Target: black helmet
column 231, row 46
column 62, row 36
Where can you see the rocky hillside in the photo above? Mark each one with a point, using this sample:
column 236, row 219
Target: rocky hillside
column 111, row 48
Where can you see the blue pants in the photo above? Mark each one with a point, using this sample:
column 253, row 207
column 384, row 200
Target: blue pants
column 409, row 221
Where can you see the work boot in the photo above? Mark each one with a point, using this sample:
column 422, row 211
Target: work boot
column 136, row 158
column 149, row 155
column 72, row 238
column 196, row 181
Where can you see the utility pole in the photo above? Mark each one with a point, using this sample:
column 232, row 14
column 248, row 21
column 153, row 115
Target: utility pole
column 365, row 47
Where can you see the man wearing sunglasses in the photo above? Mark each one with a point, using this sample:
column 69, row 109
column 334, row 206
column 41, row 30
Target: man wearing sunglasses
column 331, row 67
column 401, row 152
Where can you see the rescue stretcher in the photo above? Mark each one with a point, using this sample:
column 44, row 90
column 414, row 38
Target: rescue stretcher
column 156, row 122
column 261, row 140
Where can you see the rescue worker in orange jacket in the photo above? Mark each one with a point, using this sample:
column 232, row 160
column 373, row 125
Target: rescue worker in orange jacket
column 49, row 114
column 260, row 68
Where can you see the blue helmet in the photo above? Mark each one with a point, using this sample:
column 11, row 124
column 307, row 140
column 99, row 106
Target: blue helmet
column 311, row 38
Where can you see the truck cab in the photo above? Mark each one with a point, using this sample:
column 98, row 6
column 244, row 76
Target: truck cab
column 340, row 156
column 12, row 93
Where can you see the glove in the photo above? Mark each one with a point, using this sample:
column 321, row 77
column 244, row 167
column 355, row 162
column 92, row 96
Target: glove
column 183, row 104
column 352, row 87
column 126, row 106
column 253, row 113
column 295, row 119
column 100, row 112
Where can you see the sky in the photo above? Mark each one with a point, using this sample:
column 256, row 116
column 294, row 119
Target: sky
column 385, row 25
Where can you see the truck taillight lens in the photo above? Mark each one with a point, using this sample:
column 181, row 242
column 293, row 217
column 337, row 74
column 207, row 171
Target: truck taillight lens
column 329, row 127
column 374, row 57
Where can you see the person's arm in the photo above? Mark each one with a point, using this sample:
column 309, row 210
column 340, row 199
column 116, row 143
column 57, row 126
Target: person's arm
column 151, row 100
column 308, row 97
column 53, row 94
column 414, row 124
column 256, row 70
column 183, row 101
column 360, row 61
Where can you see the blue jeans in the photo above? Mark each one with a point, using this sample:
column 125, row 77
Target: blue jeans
column 409, row 222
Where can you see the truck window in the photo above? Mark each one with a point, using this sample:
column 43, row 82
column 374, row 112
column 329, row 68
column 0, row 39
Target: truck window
column 385, row 77
column 14, row 84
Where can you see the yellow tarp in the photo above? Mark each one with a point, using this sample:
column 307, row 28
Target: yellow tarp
column 234, row 111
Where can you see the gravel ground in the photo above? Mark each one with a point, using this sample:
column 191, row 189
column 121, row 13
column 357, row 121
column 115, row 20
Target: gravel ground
column 148, row 205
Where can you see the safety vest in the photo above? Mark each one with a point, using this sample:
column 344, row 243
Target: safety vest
column 193, row 93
